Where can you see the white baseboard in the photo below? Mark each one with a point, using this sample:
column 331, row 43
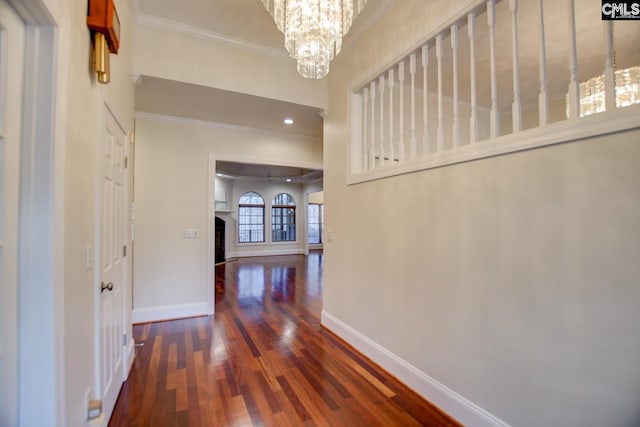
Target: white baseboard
column 440, row 395
column 168, row 312
column 269, row 252
column 131, row 355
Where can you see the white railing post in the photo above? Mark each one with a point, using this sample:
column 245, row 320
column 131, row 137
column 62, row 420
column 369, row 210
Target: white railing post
column 494, row 124
column 425, row 99
column 455, row 131
column 372, row 92
column 543, row 96
column 381, row 87
column 473, row 120
column 574, row 88
column 516, row 107
column 401, row 118
column 609, row 68
column 439, row 47
column 392, row 151
column 412, row 71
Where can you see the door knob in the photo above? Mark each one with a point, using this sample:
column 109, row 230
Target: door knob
column 108, row 286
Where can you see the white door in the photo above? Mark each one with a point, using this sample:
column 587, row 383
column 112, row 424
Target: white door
column 12, row 50
column 112, row 240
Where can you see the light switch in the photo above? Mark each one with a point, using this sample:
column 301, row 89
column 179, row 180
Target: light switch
column 190, row 233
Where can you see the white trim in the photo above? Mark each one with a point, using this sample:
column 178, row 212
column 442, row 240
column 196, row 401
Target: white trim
column 437, row 393
column 130, row 356
column 274, row 252
column 3, row 80
column 200, row 33
column 168, row 312
column 40, row 402
column 560, row 132
column 211, row 229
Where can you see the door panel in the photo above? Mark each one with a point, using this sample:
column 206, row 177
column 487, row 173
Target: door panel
column 112, row 219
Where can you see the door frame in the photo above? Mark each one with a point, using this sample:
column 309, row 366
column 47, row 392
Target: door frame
column 41, row 242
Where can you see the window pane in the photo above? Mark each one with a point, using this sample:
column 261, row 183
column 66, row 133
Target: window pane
column 283, row 224
column 251, row 220
column 315, row 223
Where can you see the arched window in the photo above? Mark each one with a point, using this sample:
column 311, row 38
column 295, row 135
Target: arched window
column 283, row 218
column 251, row 218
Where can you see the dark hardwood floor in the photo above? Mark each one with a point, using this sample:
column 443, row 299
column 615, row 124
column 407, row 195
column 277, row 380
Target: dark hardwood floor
column 262, row 359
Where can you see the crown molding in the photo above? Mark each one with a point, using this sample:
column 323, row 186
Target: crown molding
column 211, row 36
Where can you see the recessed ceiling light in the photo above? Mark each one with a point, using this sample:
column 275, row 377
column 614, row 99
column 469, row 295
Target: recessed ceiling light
column 288, row 121
column 219, row 174
column 288, row 179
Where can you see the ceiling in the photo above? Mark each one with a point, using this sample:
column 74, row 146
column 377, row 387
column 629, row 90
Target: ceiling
column 268, row 172
column 178, row 99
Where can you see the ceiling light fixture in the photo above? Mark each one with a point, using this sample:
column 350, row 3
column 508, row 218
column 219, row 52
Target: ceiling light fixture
column 288, row 179
column 288, row 121
column 313, row 30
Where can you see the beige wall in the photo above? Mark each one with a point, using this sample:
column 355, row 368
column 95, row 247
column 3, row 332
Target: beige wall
column 511, row 280
column 172, row 184
column 243, row 70
column 82, row 100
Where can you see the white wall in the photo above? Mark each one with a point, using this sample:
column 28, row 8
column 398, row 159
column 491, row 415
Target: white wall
column 268, row 190
column 172, row 189
column 82, row 105
column 512, row 281
column 71, row 171
column 198, row 60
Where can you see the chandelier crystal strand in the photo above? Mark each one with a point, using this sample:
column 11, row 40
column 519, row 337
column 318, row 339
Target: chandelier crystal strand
column 592, row 95
column 313, row 30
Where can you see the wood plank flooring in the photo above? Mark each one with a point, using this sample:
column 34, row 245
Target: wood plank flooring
column 262, row 359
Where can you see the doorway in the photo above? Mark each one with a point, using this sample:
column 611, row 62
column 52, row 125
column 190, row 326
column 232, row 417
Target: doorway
column 220, row 240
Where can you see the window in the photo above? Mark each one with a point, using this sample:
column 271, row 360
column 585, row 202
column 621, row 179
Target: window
column 251, row 218
column 316, row 223
column 283, row 218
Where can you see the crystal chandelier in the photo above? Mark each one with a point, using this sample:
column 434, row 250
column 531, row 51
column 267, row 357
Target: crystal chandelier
column 313, row 30
column 592, row 96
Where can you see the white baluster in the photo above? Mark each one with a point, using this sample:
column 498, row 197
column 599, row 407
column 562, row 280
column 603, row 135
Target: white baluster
column 495, row 114
column 543, row 97
column 574, row 88
column 372, row 92
column 381, row 86
column 439, row 42
column 455, row 131
column 425, row 100
column 473, row 120
column 609, row 68
column 401, row 119
column 516, row 107
column 412, row 71
column 392, row 151
column 365, row 142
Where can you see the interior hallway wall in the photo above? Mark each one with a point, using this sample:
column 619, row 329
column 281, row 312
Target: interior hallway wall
column 513, row 281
